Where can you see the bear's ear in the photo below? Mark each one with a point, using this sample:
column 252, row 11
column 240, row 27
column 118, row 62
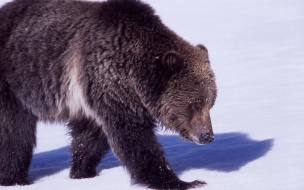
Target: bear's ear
column 172, row 61
column 202, row 47
column 205, row 53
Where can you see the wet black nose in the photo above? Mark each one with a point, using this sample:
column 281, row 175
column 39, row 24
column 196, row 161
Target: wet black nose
column 206, row 138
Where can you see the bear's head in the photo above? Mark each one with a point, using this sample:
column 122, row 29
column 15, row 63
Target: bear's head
column 190, row 93
column 180, row 90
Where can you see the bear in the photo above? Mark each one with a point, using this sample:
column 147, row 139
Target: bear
column 113, row 72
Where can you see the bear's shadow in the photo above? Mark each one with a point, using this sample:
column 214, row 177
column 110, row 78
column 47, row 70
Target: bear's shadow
column 229, row 152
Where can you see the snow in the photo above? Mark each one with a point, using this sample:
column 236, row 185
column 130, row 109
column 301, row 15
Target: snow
column 257, row 53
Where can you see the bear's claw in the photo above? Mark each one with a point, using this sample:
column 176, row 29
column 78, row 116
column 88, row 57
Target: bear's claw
column 196, row 184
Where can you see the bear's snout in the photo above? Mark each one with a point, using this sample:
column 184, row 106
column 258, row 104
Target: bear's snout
column 206, row 138
column 201, row 127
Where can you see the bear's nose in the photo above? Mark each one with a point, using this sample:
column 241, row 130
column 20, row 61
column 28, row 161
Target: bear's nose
column 206, row 138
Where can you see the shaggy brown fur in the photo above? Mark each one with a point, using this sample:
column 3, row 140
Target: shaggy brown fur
column 111, row 69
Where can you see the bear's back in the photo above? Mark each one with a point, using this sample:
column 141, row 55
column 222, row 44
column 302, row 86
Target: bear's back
column 43, row 39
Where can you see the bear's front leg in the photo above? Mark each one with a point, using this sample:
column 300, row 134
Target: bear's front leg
column 133, row 141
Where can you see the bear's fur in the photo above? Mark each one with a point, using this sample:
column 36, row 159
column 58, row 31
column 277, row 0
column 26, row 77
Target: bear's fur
column 113, row 71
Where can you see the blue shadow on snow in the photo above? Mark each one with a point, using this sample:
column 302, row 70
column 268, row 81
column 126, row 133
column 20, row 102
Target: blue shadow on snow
column 229, row 152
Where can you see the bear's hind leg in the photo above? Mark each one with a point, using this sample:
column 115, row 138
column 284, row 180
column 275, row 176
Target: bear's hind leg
column 17, row 138
column 89, row 146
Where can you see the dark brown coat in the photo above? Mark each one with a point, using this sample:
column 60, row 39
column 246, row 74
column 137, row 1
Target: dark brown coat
column 111, row 69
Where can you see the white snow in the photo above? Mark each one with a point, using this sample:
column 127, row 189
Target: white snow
column 257, row 53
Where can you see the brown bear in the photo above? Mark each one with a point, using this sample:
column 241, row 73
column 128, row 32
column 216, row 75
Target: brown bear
column 112, row 70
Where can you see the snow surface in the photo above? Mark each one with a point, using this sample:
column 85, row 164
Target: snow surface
column 257, row 52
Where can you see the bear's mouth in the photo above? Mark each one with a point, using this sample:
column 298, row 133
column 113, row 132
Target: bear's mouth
column 191, row 139
column 185, row 135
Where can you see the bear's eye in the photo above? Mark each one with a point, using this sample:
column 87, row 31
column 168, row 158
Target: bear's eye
column 172, row 61
column 196, row 106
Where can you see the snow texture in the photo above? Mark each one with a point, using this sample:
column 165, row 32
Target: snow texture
column 257, row 53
